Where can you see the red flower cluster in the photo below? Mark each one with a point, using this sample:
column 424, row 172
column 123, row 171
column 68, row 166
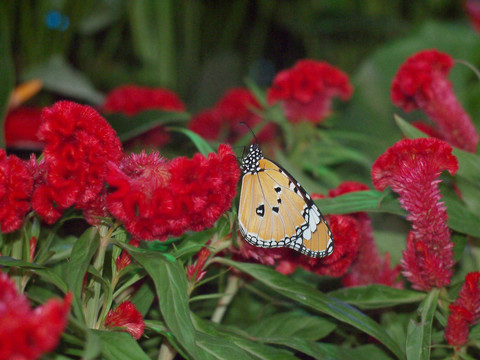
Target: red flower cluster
column 464, row 312
column 16, row 187
column 307, row 89
column 78, row 144
column 127, row 318
column 421, row 83
column 125, row 259
column 222, row 122
column 21, row 127
column 155, row 198
column 27, row 334
column 368, row 267
column 412, row 168
column 133, row 99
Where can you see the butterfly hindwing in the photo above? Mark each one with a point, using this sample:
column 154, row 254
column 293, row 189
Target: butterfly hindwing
column 275, row 211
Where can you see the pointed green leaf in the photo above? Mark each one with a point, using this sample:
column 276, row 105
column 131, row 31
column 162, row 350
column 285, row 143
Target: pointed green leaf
column 419, row 334
column 460, row 218
column 197, row 140
column 128, row 127
column 76, row 268
column 119, row 346
column 376, row 296
column 316, row 300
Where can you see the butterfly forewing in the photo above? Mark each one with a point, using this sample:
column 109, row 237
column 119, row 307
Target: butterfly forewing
column 275, row 211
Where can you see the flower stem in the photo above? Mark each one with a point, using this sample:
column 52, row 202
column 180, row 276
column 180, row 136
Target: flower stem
column 167, row 351
column 230, row 291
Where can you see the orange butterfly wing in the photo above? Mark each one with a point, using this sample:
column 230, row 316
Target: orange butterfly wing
column 275, row 211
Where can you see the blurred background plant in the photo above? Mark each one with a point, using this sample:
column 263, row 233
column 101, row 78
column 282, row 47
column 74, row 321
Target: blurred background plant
column 82, row 49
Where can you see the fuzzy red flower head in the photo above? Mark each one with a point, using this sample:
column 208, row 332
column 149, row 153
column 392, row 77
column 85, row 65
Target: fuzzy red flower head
column 412, row 168
column 132, row 99
column 307, row 89
column 464, row 312
column 78, row 145
column 27, row 333
column 222, row 122
column 21, row 127
column 155, row 199
column 421, row 83
column 16, row 187
column 127, row 318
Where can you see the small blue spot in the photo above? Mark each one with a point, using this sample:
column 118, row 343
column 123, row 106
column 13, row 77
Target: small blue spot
column 55, row 20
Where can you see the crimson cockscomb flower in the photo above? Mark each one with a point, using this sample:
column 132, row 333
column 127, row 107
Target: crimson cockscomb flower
column 464, row 312
column 472, row 8
column 155, row 198
column 21, row 127
column 306, row 90
column 26, row 333
column 412, row 169
column 78, row 144
column 126, row 318
column 368, row 267
column 132, row 99
column 222, row 122
column 422, row 83
column 16, row 187
column 125, row 259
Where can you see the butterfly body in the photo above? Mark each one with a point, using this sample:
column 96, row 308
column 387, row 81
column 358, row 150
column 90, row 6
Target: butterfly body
column 276, row 211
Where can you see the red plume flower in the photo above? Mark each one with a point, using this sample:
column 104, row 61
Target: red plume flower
column 132, row 99
column 421, row 83
column 27, row 334
column 125, row 259
column 472, row 8
column 21, row 127
column 78, row 144
column 222, row 122
column 412, row 168
column 127, row 318
column 195, row 271
column 464, row 312
column 16, row 187
column 152, row 206
column 368, row 267
column 307, row 89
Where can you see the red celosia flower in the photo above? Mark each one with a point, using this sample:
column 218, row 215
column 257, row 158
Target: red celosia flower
column 78, row 144
column 195, row 272
column 127, row 318
column 222, row 122
column 21, row 127
column 421, row 83
column 27, row 334
column 464, row 312
column 412, row 168
column 16, row 187
column 245, row 252
column 33, row 246
column 133, row 99
column 307, row 89
column 124, row 259
column 155, row 198
column 472, row 8
column 368, row 267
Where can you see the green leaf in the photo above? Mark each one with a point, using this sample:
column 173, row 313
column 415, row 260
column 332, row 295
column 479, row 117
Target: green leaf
column 197, row 140
column 291, row 324
column 407, row 129
column 369, row 200
column 7, row 70
column 76, row 268
column 376, row 296
column 419, row 334
column 128, row 127
column 171, row 286
column 93, row 346
column 316, row 300
column 460, row 218
column 11, row 262
column 60, row 77
column 119, row 346
column 143, row 298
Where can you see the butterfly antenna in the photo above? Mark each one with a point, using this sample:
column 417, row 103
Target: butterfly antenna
column 249, row 128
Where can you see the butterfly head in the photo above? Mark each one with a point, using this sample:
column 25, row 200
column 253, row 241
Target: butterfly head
column 250, row 162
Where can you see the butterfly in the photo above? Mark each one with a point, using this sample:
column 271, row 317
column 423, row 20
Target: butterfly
column 276, row 211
